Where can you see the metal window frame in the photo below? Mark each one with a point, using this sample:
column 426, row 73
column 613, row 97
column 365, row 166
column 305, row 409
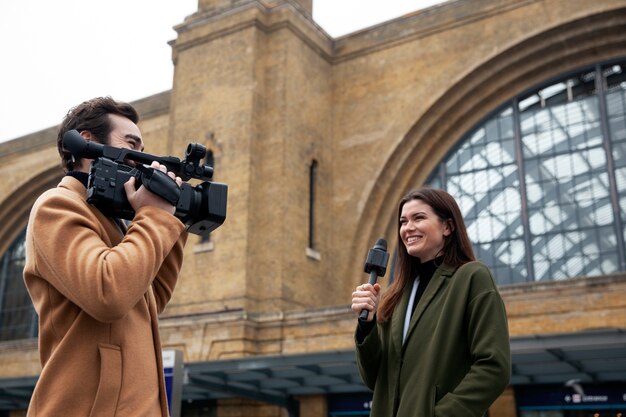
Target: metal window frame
column 5, row 260
column 313, row 172
column 440, row 172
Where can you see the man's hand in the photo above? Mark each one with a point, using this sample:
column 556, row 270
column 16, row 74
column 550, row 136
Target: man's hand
column 142, row 197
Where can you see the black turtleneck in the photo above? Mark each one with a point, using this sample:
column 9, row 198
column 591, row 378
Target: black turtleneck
column 426, row 272
column 83, row 177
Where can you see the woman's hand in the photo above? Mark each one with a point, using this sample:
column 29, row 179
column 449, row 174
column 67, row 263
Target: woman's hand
column 366, row 297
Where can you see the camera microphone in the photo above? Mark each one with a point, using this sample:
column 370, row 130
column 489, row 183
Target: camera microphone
column 375, row 265
column 79, row 147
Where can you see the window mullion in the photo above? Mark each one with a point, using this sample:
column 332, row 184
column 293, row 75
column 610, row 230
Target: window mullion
column 519, row 159
column 4, row 276
column 606, row 143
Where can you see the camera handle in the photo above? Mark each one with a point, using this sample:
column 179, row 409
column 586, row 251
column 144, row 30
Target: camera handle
column 187, row 169
column 159, row 183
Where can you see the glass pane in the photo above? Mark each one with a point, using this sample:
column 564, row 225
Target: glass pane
column 570, row 216
column 615, row 77
column 483, row 178
column 615, row 83
column 568, row 188
column 571, row 89
column 17, row 316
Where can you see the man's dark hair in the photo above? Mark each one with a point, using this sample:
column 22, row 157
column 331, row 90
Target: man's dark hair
column 91, row 115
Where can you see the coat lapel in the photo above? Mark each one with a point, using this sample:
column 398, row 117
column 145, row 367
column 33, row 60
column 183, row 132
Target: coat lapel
column 397, row 319
column 435, row 284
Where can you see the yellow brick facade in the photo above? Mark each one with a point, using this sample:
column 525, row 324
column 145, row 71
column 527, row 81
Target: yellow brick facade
column 268, row 92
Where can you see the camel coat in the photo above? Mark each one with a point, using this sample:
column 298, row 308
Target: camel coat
column 456, row 358
column 98, row 293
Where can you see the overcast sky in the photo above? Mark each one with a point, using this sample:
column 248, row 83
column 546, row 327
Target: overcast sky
column 58, row 53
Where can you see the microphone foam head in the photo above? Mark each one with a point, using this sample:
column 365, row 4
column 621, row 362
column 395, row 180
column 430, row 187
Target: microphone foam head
column 74, row 142
column 381, row 244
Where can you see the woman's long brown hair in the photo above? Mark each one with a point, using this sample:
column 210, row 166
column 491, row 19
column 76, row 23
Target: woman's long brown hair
column 457, row 249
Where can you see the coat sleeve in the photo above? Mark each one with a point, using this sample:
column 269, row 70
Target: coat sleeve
column 368, row 357
column 106, row 282
column 489, row 346
column 167, row 277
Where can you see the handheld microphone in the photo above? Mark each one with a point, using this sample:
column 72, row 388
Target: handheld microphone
column 375, row 265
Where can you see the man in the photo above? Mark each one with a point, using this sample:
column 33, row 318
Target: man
column 99, row 288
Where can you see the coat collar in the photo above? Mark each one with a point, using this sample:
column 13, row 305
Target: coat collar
column 73, row 184
column 397, row 320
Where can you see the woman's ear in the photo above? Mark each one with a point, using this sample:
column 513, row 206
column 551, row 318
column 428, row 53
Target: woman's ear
column 448, row 227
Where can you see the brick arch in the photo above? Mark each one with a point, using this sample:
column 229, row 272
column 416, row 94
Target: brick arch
column 556, row 51
column 15, row 208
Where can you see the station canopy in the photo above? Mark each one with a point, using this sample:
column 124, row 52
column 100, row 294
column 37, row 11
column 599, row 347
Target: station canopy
column 595, row 356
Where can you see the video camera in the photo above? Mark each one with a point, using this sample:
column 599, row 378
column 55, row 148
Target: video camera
column 201, row 208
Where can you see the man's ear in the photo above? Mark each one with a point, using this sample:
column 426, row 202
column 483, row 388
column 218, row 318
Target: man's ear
column 87, row 135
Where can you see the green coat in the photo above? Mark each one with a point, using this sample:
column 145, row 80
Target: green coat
column 456, row 359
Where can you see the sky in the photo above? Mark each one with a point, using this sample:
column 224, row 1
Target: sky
column 58, row 53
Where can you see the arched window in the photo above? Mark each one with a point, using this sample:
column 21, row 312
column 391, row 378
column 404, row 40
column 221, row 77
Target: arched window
column 542, row 182
column 17, row 315
column 312, row 186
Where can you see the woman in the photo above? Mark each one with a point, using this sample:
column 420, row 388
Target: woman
column 439, row 345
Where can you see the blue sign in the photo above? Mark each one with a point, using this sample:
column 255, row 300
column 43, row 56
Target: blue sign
column 576, row 396
column 169, row 385
column 173, row 372
column 354, row 404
